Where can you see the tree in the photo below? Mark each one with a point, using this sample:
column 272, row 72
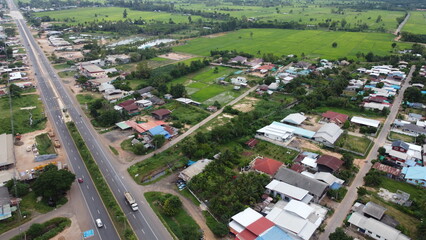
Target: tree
column 380, row 85
column 10, row 32
column 178, row 90
column 52, row 183
column 143, row 71
column 14, row 90
column 35, row 230
column 421, row 230
column 346, row 125
column 373, row 178
column 189, row 19
column 362, row 191
column 393, row 45
column 420, row 139
column 339, row 234
column 382, row 151
column 348, row 160
column 139, row 149
column 21, row 189
column 158, row 141
column 172, row 205
column 125, row 13
column 108, row 118
column 369, row 57
column 412, row 94
column 268, row 80
column 334, row 44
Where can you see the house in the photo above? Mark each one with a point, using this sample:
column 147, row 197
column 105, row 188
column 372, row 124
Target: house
column 273, row 86
column 92, row 71
column 159, row 130
column 334, row 117
column 156, row 100
column 15, row 76
column 212, row 108
column 288, row 192
column 7, row 157
column 414, row 117
column 168, row 96
column 188, row 101
column 132, row 109
column 294, row 118
column 266, row 165
column 416, row 105
column 415, row 175
column 328, row 134
column 143, row 103
column 327, row 163
column 373, row 210
column 374, row 228
column 238, row 60
column 3, row 92
column 328, row 178
column 282, row 132
column 255, row 62
column 239, row 81
column 104, row 87
column 316, row 188
column 374, row 106
column 5, row 210
column 297, row 218
column 252, row 143
column 391, row 172
column 400, row 146
column 198, row 167
column 365, row 122
column 302, row 64
column 113, row 95
column 145, row 90
column 414, row 129
column 161, row 114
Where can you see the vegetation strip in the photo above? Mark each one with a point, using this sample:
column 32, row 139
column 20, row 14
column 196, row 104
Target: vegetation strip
column 46, row 230
column 124, row 230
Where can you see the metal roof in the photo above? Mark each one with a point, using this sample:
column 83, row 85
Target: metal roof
column 416, row 172
column 374, row 210
column 294, row 118
column 330, row 132
column 296, row 130
column 246, row 217
column 6, row 150
column 274, row 233
column 365, row 121
column 301, row 209
column 291, row 177
column 195, row 169
column 287, row 189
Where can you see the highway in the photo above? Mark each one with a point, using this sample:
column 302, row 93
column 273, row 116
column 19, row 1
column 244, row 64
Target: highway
column 144, row 222
column 92, row 200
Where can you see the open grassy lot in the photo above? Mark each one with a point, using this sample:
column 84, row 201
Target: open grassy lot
column 416, row 23
column 354, row 143
column 61, row 66
column 44, row 144
column 186, row 114
column 393, row 185
column 202, row 86
column 182, row 224
column 313, row 43
column 21, row 117
column 86, row 15
column 349, row 112
column 270, row 150
column 65, row 74
column 403, row 137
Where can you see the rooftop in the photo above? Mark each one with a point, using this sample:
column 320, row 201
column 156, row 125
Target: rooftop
column 294, row 118
column 365, row 121
column 287, row 189
column 330, row 162
column 267, row 165
column 291, row 177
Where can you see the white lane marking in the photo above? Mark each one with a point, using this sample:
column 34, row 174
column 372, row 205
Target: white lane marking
column 105, row 226
column 142, row 230
column 134, row 216
column 93, row 199
column 107, row 169
column 118, row 190
column 99, row 212
column 78, row 166
column 87, row 186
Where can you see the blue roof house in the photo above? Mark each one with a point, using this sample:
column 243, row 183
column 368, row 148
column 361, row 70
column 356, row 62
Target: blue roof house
column 415, row 175
column 159, row 130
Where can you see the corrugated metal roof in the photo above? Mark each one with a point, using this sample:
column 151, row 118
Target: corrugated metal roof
column 6, row 150
column 365, row 121
column 287, row 189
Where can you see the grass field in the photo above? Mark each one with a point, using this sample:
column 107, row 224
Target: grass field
column 202, row 86
column 178, row 224
column 403, row 137
column 306, row 15
column 21, row 117
column 44, row 144
column 284, row 42
column 349, row 112
column 186, row 114
column 111, row 14
column 416, row 23
column 266, row 149
column 354, row 143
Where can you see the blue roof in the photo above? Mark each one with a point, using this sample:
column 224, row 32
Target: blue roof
column 310, row 154
column 335, row 186
column 423, row 92
column 297, row 130
column 274, row 233
column 414, row 172
column 395, row 87
column 159, row 130
column 190, row 162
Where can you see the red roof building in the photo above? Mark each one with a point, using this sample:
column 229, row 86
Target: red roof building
column 161, row 114
column 143, row 127
column 131, row 109
column 267, row 165
column 335, row 117
column 252, row 143
column 297, row 167
column 260, row 226
column 126, row 103
column 328, row 163
column 377, row 99
column 391, row 171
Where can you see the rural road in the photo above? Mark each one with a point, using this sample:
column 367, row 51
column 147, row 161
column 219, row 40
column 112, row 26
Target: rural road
column 191, row 130
column 344, row 207
column 401, row 25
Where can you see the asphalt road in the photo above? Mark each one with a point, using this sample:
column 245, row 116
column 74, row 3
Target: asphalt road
column 344, row 207
column 144, row 222
column 92, row 201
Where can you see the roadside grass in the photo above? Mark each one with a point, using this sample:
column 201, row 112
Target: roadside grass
column 90, row 14
column 49, row 229
column 21, row 117
column 354, row 143
column 126, row 145
column 349, row 112
column 61, row 66
column 29, row 201
column 403, row 137
column 86, row 98
column 270, row 150
column 416, row 23
column 159, row 59
column 313, row 43
column 179, row 224
column 115, row 212
column 44, row 144
column 186, row 193
column 113, row 150
column 65, row 74
column 13, row 222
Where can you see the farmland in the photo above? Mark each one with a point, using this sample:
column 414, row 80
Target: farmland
column 110, row 14
column 283, row 42
column 417, row 23
column 202, row 86
column 307, row 15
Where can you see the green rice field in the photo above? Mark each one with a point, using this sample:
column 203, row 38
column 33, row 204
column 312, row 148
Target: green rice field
column 312, row 43
column 111, row 14
column 416, row 23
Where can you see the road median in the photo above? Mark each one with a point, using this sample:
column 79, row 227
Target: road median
column 117, row 215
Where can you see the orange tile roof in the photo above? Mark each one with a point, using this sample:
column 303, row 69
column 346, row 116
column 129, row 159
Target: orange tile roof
column 267, row 165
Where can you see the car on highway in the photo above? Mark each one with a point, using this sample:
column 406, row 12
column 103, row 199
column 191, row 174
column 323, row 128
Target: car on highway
column 99, row 223
column 80, row 180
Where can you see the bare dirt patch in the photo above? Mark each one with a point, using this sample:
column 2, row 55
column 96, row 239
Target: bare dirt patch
column 309, row 146
column 246, row 105
column 216, row 35
column 175, row 56
column 311, row 123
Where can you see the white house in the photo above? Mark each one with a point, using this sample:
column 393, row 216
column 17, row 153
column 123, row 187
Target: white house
column 239, row 81
column 328, row 134
column 365, row 121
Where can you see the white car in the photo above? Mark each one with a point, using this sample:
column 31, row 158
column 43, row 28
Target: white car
column 99, row 223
